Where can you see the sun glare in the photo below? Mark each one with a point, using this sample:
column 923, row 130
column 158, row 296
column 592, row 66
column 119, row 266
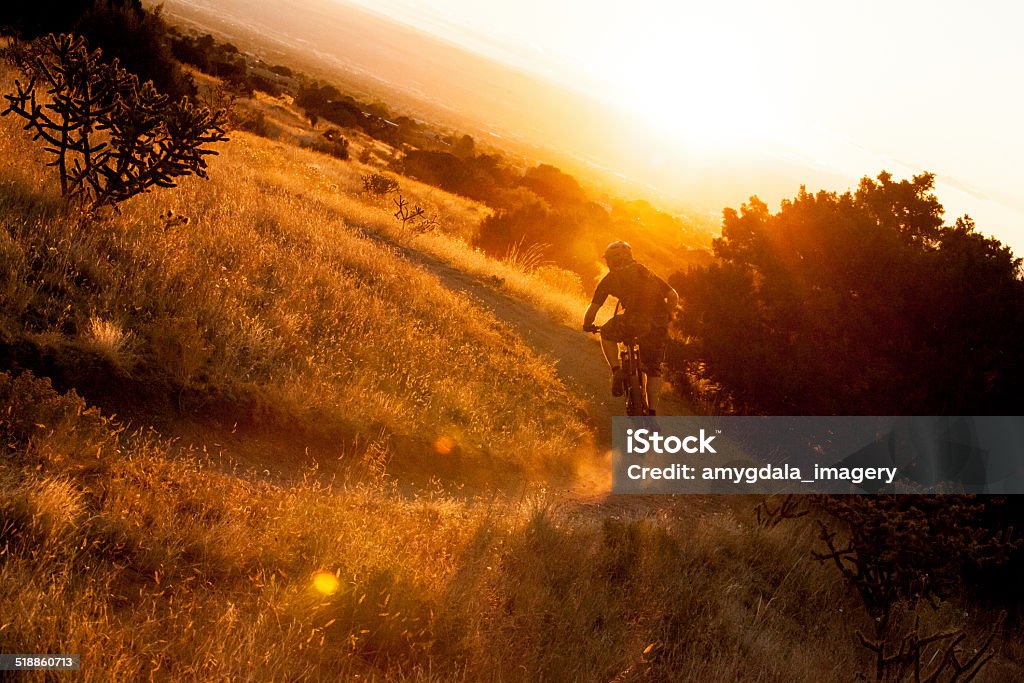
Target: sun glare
column 697, row 94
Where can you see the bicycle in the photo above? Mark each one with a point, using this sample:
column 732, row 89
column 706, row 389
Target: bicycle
column 634, row 379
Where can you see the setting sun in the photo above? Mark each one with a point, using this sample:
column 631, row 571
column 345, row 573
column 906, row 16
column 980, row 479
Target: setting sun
column 699, row 96
column 782, row 93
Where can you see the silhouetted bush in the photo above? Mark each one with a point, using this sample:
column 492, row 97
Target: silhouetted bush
column 554, row 185
column 443, row 169
column 256, row 122
column 212, row 57
column 900, row 553
column 337, row 147
column 140, row 41
column 257, row 82
column 379, row 184
column 860, row 303
column 137, row 38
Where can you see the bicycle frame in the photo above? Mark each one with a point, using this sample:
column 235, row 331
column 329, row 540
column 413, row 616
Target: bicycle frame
column 633, row 376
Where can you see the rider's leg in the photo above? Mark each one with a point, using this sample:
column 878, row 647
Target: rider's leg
column 611, row 355
column 610, row 334
column 652, row 354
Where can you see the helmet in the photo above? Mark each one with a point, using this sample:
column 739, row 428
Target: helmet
column 618, row 254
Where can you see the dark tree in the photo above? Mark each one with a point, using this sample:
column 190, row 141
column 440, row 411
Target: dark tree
column 443, row 169
column 464, row 147
column 859, row 303
column 554, row 185
column 139, row 39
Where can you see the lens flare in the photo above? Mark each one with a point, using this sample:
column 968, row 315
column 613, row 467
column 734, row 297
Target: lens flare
column 444, row 445
column 325, row 582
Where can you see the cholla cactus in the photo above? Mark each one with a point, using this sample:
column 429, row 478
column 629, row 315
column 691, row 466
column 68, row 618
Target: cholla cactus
column 111, row 137
column 900, row 551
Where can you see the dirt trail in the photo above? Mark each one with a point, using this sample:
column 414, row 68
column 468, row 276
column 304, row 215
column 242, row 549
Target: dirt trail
column 578, row 359
column 576, row 355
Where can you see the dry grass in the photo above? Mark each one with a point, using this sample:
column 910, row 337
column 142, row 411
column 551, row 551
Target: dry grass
column 148, row 559
column 554, row 290
column 151, row 562
column 272, row 285
column 153, row 559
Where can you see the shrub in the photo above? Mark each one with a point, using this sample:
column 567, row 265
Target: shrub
column 140, row 41
column 335, row 146
column 861, row 303
column 904, row 550
column 379, row 184
column 111, row 138
column 257, row 124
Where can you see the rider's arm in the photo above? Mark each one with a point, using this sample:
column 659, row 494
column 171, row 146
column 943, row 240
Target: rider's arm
column 588, row 317
column 600, row 296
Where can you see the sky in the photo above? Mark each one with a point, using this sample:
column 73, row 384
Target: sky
column 845, row 88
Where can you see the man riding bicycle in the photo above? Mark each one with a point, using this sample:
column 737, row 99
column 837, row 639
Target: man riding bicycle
column 647, row 304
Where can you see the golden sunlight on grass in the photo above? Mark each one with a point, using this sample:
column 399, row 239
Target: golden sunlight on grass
column 291, row 322
column 148, row 553
column 279, row 285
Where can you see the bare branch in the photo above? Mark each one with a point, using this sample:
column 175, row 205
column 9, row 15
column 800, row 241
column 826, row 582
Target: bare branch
column 111, row 138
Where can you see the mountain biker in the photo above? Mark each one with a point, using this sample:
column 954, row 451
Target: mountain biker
column 647, row 304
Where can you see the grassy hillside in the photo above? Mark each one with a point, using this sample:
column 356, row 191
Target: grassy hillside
column 143, row 551
column 271, row 305
column 326, row 464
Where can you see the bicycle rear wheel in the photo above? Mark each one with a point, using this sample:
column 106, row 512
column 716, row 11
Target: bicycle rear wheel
column 634, row 395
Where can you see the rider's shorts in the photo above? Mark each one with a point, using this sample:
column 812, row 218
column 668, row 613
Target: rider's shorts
column 652, row 338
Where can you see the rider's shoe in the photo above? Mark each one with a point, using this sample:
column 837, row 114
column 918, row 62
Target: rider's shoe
column 618, row 380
